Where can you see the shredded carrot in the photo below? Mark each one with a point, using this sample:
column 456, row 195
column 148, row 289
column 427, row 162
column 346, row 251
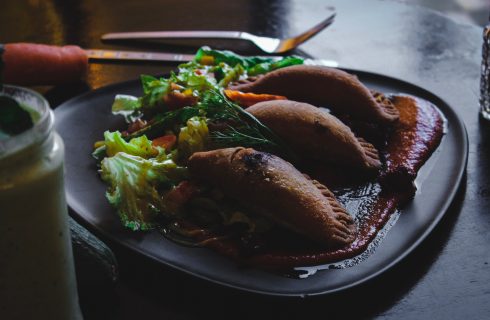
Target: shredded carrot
column 248, row 99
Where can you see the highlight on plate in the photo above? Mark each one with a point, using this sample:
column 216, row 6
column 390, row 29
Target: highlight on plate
column 271, row 162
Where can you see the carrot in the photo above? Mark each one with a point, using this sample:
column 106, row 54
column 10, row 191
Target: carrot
column 39, row 64
column 249, row 99
column 166, row 141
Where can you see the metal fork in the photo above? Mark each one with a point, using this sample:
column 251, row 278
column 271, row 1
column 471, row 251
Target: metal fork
column 266, row 44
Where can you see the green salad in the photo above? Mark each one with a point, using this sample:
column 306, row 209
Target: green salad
column 189, row 111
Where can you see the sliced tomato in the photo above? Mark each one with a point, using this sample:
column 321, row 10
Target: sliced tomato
column 166, row 141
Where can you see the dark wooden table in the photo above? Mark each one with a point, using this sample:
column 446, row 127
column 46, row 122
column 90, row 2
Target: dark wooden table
column 446, row 277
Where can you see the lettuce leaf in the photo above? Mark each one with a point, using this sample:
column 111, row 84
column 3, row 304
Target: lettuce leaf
column 153, row 90
column 127, row 106
column 193, row 137
column 140, row 146
column 133, row 187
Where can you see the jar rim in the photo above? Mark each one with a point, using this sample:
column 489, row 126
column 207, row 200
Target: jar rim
column 41, row 128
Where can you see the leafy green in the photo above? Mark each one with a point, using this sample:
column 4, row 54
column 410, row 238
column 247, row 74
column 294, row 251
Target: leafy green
column 127, row 106
column 154, row 90
column 133, row 187
column 228, row 57
column 244, row 137
column 100, row 153
column 167, row 120
column 193, row 137
column 188, row 78
column 251, row 65
column 265, row 67
column 242, row 128
column 115, row 143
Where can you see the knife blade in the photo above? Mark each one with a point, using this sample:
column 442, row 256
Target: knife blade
column 108, row 55
column 96, row 55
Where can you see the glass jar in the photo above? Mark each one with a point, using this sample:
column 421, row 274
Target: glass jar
column 37, row 275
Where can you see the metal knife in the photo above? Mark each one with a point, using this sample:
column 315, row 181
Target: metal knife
column 96, row 55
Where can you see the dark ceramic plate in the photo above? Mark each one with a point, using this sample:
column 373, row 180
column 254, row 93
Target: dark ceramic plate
column 82, row 120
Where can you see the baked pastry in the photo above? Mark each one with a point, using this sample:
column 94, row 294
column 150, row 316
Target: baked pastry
column 332, row 88
column 271, row 186
column 316, row 134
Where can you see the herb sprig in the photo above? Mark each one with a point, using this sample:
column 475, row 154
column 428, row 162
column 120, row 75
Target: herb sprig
column 242, row 128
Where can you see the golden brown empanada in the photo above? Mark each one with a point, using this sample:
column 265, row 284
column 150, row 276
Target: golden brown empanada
column 271, row 186
column 315, row 134
column 321, row 86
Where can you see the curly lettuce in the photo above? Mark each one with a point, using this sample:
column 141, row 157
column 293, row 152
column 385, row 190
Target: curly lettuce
column 140, row 146
column 188, row 78
column 153, row 90
column 193, row 137
column 134, row 184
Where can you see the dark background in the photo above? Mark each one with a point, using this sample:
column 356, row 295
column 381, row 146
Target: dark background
column 447, row 277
